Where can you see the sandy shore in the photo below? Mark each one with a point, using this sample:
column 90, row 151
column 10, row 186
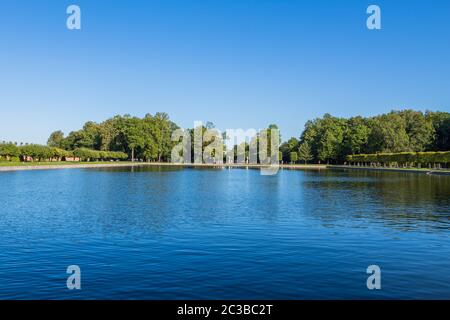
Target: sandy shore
column 154, row 164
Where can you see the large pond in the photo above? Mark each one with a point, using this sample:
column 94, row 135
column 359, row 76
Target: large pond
column 166, row 233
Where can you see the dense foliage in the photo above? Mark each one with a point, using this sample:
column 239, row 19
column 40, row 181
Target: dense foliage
column 331, row 140
column 34, row 152
column 148, row 138
column 324, row 140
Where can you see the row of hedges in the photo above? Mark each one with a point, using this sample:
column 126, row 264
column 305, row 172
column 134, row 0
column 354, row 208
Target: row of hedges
column 402, row 158
column 9, row 151
column 88, row 154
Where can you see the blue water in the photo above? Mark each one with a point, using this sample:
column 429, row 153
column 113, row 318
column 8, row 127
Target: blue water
column 167, row 233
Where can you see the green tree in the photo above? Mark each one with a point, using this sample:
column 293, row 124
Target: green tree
column 133, row 132
column 8, row 151
column 305, row 153
column 356, row 136
column 287, row 147
column 331, row 134
column 388, row 134
column 293, row 157
column 419, row 129
column 162, row 131
column 56, row 139
column 310, row 135
column 441, row 125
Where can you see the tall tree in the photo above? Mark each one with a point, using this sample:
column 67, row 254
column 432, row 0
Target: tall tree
column 388, row 134
column 133, row 133
column 56, row 139
column 293, row 157
column 331, row 134
column 419, row 129
column 287, row 147
column 162, row 131
column 305, row 153
column 441, row 125
column 356, row 136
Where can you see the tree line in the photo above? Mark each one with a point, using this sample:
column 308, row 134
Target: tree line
column 330, row 139
column 33, row 152
column 148, row 138
column 327, row 139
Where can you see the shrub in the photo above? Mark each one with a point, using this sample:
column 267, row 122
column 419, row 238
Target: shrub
column 293, row 157
column 8, row 150
column 89, row 155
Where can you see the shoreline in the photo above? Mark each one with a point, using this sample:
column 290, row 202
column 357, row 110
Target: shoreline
column 60, row 166
column 407, row 170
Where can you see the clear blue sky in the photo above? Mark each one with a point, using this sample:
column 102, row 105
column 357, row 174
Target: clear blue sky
column 241, row 64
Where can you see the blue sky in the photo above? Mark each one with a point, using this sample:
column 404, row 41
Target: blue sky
column 240, row 64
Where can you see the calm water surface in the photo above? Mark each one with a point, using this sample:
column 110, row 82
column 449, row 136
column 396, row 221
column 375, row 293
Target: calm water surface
column 165, row 233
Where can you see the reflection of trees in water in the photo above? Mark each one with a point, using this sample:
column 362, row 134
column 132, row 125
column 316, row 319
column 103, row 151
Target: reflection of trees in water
column 403, row 201
column 172, row 197
column 137, row 205
column 142, row 168
column 151, row 200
